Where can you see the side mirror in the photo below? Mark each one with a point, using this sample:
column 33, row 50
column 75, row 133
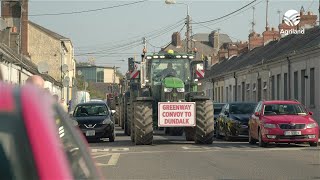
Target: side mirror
column 257, row 114
column 113, row 112
column 310, row 113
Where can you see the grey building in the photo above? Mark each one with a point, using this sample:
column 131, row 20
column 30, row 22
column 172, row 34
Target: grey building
column 287, row 68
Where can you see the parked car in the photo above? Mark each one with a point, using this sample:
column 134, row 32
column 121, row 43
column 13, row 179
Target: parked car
column 217, row 107
column 233, row 120
column 95, row 119
column 282, row 122
column 38, row 140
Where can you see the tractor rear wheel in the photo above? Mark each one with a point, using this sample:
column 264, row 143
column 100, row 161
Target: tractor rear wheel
column 129, row 119
column 190, row 133
column 117, row 115
column 132, row 121
column 143, row 123
column 205, row 122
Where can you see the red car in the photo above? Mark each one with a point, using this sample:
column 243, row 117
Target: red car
column 38, row 141
column 282, row 122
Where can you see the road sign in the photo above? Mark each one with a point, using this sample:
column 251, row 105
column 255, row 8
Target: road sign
column 134, row 74
column 176, row 114
column 200, row 73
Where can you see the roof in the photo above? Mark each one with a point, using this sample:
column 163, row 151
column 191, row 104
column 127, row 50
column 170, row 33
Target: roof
column 201, row 43
column 282, row 102
column 13, row 57
column 49, row 32
column 269, row 52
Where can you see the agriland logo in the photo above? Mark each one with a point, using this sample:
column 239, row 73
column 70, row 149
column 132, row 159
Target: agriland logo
column 291, row 18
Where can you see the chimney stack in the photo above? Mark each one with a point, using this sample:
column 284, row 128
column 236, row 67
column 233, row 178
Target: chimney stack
column 15, row 14
column 176, row 39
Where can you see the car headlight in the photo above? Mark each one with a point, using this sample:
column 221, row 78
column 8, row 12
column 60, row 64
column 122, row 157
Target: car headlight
column 167, row 89
column 269, row 126
column 180, row 89
column 312, row 125
column 106, row 121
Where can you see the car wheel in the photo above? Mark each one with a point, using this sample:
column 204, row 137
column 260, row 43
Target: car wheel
column 313, row 144
column 261, row 143
column 251, row 140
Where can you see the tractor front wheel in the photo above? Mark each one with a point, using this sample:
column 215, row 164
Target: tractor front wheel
column 143, row 123
column 204, row 122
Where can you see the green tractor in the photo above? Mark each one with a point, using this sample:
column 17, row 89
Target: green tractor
column 167, row 96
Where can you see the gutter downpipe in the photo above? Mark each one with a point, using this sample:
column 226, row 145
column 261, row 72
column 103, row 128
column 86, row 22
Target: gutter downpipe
column 236, row 87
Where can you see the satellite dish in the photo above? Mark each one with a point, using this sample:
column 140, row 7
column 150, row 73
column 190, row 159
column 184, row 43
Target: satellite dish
column 65, row 68
column 79, row 72
column 43, row 67
column 66, row 81
column 3, row 24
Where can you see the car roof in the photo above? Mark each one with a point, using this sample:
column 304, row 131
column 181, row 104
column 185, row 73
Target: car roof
column 242, row 103
column 92, row 103
column 282, row 102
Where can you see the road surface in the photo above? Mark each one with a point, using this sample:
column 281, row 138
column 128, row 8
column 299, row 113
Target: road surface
column 175, row 158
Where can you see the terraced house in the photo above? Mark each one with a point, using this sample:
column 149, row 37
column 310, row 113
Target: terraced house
column 283, row 68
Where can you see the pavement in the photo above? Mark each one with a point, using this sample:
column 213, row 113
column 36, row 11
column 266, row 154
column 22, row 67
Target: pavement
column 174, row 158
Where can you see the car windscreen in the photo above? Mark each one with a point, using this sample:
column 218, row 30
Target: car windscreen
column 284, row 109
column 242, row 108
column 91, row 110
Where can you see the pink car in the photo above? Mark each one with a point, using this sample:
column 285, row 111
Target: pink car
column 282, row 122
column 38, row 141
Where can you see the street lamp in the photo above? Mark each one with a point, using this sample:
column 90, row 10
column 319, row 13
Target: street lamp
column 169, row 2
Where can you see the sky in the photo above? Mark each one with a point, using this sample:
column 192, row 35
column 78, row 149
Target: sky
column 112, row 35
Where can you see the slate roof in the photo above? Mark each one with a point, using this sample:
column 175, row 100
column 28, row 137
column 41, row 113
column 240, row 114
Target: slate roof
column 9, row 55
column 49, row 32
column 274, row 49
column 202, row 44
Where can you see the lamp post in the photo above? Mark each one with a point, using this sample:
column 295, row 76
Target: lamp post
column 187, row 21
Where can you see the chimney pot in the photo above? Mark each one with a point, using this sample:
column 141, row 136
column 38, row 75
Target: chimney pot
column 309, row 13
column 273, row 29
column 14, row 29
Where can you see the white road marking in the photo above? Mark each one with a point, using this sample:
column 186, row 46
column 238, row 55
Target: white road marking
column 112, row 161
column 120, row 149
column 194, row 148
column 97, row 150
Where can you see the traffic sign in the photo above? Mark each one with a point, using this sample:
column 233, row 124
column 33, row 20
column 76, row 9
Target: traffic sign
column 134, row 74
column 200, row 73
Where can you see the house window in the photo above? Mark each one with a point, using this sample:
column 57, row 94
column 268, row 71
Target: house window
column 312, row 87
column 243, row 91
column 227, row 94
column 219, row 95
column 285, row 85
column 303, row 86
column 234, row 93
column 254, row 90
column 259, row 90
column 278, row 86
column 265, row 90
column 239, row 93
column 296, row 82
column 272, row 88
column 248, row 92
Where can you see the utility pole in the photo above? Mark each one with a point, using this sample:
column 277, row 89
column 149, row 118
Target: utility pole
column 267, row 9
column 253, row 18
column 188, row 30
column 279, row 13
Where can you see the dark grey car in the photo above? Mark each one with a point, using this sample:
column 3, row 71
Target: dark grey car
column 95, row 120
